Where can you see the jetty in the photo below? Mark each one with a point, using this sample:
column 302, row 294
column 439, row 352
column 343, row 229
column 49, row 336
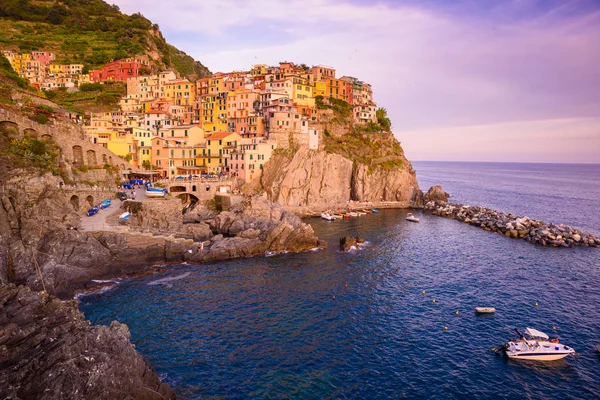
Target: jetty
column 533, row 231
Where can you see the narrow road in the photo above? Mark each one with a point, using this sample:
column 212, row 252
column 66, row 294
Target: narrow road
column 98, row 222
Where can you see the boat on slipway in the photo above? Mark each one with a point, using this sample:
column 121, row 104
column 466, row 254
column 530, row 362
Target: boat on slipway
column 156, row 192
column 105, row 204
column 536, row 346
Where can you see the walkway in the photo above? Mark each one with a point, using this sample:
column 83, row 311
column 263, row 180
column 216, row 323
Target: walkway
column 98, row 222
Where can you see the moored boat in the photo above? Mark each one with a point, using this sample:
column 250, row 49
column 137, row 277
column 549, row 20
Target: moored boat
column 327, row 216
column 156, row 192
column 105, row 204
column 124, row 216
column 485, row 310
column 536, row 346
column 352, row 214
column 375, row 211
column 411, row 218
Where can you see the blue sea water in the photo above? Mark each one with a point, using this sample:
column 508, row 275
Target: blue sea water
column 357, row 325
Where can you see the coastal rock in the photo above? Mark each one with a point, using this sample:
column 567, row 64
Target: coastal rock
column 537, row 232
column 49, row 351
column 200, row 231
column 348, row 242
column 436, row 193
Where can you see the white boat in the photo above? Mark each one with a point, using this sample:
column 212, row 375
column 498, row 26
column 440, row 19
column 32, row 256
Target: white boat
column 352, row 214
column 327, row 216
column 536, row 346
column 359, row 213
column 485, row 310
column 155, row 193
column 411, row 218
column 124, row 216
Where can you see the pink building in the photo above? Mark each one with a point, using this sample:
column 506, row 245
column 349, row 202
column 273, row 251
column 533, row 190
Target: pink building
column 118, row 70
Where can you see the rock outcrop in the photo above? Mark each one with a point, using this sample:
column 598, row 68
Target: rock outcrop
column 534, row 231
column 316, row 178
column 49, row 351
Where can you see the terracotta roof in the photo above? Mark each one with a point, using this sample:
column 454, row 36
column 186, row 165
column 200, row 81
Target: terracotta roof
column 220, row 135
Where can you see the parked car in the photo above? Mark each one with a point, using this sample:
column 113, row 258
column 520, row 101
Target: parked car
column 122, row 196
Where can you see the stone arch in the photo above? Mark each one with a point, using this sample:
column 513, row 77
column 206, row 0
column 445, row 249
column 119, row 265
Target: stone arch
column 104, row 159
column 177, row 189
column 30, row 132
column 89, row 201
column 78, row 155
column 75, row 202
column 91, row 157
column 10, row 127
column 46, row 136
column 122, row 166
column 187, row 198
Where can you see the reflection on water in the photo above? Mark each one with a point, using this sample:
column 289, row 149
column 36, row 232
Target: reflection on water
column 329, row 324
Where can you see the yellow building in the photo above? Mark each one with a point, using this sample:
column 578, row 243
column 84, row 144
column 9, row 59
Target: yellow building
column 321, row 89
column 212, row 157
column 214, row 113
column 190, row 134
column 303, row 92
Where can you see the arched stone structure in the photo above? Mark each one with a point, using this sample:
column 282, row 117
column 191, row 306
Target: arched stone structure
column 78, row 155
column 104, row 159
column 177, row 189
column 10, row 127
column 75, row 202
column 46, row 136
column 91, row 158
column 187, row 198
column 30, row 132
column 89, row 201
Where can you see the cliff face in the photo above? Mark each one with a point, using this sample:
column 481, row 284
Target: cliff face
column 353, row 166
column 49, row 351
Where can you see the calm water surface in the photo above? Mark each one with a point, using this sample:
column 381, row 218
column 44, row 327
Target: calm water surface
column 326, row 324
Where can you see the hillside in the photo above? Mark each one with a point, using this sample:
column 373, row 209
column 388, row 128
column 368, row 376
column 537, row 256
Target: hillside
column 89, row 32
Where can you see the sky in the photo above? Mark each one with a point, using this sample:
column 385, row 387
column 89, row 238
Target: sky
column 462, row 80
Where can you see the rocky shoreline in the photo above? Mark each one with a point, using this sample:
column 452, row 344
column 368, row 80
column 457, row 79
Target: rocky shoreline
column 514, row 226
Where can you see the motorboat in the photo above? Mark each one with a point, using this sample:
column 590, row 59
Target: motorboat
column 124, row 216
column 337, row 216
column 92, row 211
column 327, row 216
column 485, row 310
column 536, row 346
column 156, row 192
column 411, row 218
column 359, row 213
column 105, row 204
column 352, row 214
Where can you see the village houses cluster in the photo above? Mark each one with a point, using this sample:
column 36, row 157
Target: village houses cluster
column 228, row 123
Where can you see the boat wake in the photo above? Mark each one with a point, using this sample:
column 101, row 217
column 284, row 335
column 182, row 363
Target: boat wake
column 164, row 281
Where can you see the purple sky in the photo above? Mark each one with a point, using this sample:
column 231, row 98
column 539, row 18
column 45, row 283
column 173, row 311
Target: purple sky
column 515, row 80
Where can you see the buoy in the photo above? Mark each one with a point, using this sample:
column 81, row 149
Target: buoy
column 445, row 328
column 456, row 312
column 536, row 303
column 422, row 292
column 553, row 328
column 433, row 301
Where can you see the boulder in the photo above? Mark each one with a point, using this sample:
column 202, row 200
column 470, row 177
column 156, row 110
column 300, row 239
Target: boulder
column 347, row 243
column 436, row 193
column 200, row 231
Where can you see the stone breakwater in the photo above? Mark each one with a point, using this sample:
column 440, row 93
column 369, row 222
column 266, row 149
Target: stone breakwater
column 534, row 231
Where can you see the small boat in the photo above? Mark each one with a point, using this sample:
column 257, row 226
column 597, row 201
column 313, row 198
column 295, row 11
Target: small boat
column 485, row 310
column 105, row 204
column 411, row 218
column 337, row 216
column 375, row 211
column 359, row 213
column 92, row 211
column 327, row 216
column 352, row 214
column 124, row 216
column 537, row 346
column 152, row 192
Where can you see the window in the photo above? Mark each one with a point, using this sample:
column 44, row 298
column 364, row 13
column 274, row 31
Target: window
column 185, row 132
column 158, row 152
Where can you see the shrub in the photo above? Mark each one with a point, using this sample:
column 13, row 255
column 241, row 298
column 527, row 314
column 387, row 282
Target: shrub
column 41, row 118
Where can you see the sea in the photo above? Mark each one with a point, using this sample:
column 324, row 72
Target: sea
column 392, row 319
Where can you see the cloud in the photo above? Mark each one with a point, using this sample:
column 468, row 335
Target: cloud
column 433, row 65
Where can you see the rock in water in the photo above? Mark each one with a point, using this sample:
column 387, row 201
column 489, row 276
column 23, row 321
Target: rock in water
column 436, row 193
column 346, row 243
column 49, row 351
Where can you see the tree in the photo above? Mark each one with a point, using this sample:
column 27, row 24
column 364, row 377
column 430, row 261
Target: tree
column 383, row 119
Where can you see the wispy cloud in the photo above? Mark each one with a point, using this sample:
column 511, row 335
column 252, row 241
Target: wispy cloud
column 434, row 65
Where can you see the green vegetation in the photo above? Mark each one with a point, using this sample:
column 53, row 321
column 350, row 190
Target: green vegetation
column 94, row 97
column 9, row 74
column 89, row 32
column 376, row 151
column 382, row 119
column 28, row 153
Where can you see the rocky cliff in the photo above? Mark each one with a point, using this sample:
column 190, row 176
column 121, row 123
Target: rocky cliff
column 49, row 351
column 357, row 166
